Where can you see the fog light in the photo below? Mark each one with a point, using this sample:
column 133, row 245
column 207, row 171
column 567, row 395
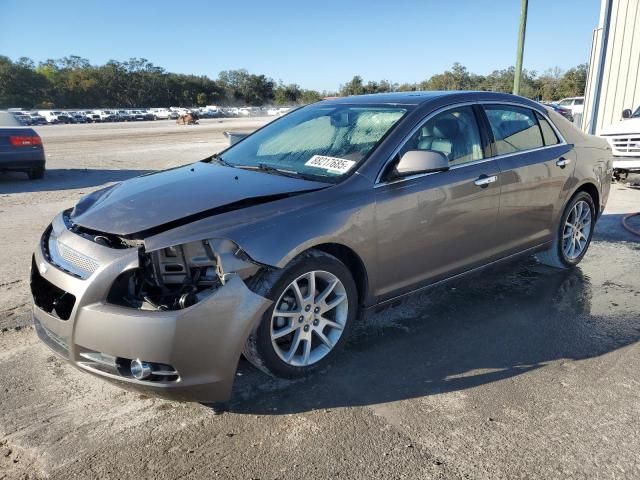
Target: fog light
column 140, row 370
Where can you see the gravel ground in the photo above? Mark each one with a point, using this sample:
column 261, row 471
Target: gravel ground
column 521, row 372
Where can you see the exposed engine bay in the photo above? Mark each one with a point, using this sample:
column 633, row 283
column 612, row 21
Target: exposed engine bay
column 178, row 277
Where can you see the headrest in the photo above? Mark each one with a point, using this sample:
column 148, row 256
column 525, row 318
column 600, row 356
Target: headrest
column 446, row 128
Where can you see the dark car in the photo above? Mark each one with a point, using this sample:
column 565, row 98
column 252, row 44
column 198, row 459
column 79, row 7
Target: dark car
column 274, row 247
column 20, row 148
column 23, row 119
column 565, row 112
column 37, row 119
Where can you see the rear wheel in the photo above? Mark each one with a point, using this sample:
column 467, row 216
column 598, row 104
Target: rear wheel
column 315, row 303
column 574, row 233
column 36, row 173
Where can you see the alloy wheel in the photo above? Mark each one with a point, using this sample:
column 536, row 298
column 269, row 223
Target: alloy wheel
column 576, row 231
column 309, row 318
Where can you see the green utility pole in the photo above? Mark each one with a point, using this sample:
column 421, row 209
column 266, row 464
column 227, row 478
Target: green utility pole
column 521, row 32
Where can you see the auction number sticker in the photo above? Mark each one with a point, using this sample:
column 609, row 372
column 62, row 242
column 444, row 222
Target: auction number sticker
column 331, row 164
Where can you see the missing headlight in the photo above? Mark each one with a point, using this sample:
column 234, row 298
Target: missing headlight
column 180, row 276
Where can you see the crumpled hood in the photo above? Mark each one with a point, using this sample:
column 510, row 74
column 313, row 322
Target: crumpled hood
column 173, row 197
column 631, row 125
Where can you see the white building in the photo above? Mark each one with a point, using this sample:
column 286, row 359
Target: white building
column 613, row 83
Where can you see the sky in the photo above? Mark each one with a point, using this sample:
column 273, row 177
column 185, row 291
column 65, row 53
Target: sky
column 318, row 45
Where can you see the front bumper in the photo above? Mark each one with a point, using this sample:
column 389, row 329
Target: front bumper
column 202, row 343
column 629, row 164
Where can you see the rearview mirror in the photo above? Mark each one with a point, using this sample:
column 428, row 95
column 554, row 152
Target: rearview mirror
column 421, row 161
column 626, row 113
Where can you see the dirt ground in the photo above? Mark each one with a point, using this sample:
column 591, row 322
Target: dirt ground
column 520, row 372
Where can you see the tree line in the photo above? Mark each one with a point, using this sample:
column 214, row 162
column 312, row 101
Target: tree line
column 73, row 82
column 553, row 84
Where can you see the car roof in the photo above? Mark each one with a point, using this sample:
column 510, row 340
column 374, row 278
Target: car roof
column 422, row 97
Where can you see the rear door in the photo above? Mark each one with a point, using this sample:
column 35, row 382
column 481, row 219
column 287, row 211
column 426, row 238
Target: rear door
column 434, row 225
column 535, row 165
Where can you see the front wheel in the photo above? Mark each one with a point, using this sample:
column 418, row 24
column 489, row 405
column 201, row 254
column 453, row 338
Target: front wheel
column 315, row 302
column 574, row 234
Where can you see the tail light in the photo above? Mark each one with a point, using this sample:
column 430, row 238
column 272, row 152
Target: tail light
column 23, row 141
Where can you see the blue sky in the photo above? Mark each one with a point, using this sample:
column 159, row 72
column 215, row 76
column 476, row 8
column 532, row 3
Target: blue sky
column 318, row 44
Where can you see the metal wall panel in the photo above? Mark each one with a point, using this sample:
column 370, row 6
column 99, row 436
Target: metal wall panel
column 620, row 85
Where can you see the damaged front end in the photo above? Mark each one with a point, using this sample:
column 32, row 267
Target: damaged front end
column 180, row 276
column 171, row 321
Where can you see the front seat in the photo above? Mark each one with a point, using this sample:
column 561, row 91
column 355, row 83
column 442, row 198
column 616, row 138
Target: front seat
column 445, row 133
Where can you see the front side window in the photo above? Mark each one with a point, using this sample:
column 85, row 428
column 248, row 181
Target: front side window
column 565, row 103
column 515, row 129
column 454, row 133
column 579, row 101
column 323, row 142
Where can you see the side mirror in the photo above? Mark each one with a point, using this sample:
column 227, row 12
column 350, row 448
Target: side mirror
column 421, row 161
column 626, row 113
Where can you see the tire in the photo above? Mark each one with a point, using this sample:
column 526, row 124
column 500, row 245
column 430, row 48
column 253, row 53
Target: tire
column 557, row 256
column 269, row 355
column 36, row 173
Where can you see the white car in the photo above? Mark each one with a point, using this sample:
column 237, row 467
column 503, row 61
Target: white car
column 106, row 115
column 575, row 104
column 624, row 138
column 54, row 116
column 161, row 113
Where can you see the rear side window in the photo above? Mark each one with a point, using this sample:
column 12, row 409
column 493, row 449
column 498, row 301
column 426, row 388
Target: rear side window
column 515, row 129
column 550, row 137
column 579, row 101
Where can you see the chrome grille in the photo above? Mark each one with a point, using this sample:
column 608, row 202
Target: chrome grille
column 630, row 144
column 70, row 260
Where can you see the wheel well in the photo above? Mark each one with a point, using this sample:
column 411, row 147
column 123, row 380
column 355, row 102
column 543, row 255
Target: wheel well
column 353, row 263
column 592, row 190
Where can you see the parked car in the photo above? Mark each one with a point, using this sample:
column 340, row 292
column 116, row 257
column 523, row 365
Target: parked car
column 37, row 119
column 22, row 118
column 91, row 116
column 136, row 115
column 54, row 116
column 574, row 104
column 21, row 148
column 160, row 113
column 624, row 138
column 123, row 116
column 106, row 115
column 274, row 247
column 77, row 117
column 148, row 115
column 565, row 112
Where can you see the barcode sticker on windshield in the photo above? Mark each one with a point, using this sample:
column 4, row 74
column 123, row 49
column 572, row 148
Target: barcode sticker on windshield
column 331, row 164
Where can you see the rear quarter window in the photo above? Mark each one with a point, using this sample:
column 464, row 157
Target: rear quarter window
column 548, row 134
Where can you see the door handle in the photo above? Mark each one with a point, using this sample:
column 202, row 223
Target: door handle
column 484, row 180
column 563, row 162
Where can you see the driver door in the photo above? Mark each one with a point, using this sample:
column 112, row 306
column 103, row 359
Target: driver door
column 434, row 225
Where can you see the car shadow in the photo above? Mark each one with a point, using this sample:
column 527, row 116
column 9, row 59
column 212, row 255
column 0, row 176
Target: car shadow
column 471, row 332
column 64, row 179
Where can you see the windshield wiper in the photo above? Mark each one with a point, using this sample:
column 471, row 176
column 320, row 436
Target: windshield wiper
column 217, row 158
column 263, row 167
